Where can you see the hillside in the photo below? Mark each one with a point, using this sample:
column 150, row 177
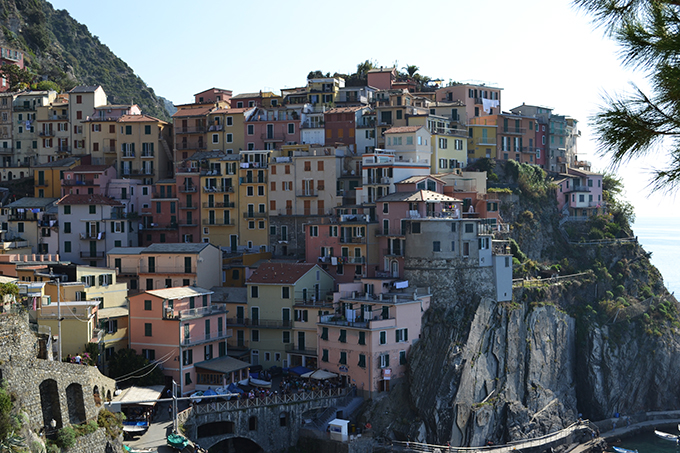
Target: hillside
column 61, row 50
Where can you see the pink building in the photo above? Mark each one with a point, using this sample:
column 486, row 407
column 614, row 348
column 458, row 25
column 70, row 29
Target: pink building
column 212, row 95
column 579, row 193
column 160, row 217
column 87, row 179
column 271, row 128
column 10, row 56
column 541, row 145
column 368, row 338
column 381, row 79
column 178, row 327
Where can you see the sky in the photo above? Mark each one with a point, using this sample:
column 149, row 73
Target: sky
column 541, row 52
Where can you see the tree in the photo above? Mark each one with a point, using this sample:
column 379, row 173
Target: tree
column 411, row 70
column 635, row 125
column 125, row 363
column 17, row 78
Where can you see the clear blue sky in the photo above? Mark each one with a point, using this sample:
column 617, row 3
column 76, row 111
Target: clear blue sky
column 539, row 51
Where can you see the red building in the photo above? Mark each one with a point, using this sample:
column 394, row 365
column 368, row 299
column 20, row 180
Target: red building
column 270, row 128
column 10, row 56
column 213, row 95
column 160, row 221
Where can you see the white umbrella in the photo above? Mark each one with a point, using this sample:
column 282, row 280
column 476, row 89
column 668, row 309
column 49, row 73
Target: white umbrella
column 319, row 375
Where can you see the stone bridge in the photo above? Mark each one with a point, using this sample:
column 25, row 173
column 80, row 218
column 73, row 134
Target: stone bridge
column 273, row 423
column 47, row 390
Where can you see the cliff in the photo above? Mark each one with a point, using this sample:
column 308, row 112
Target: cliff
column 60, row 49
column 602, row 342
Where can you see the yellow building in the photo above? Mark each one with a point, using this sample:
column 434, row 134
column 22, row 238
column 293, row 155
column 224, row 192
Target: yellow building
column 253, row 200
column 226, row 130
column 48, row 177
column 52, row 126
column 143, row 149
column 482, row 141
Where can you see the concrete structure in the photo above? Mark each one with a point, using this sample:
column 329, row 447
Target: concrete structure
column 25, row 133
column 479, row 100
column 579, row 194
column 87, row 179
column 31, row 223
column 83, row 100
column 48, row 176
column 144, row 151
column 181, row 323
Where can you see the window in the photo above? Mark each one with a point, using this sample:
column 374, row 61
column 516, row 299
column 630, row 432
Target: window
column 286, row 337
column 343, row 336
column 343, row 358
column 415, row 227
column 383, row 337
column 251, row 129
column 436, row 246
column 187, row 357
column 208, row 351
column 362, row 361
column 324, row 333
column 93, row 209
column 230, row 138
column 401, row 335
column 20, row 227
column 147, row 305
column 402, row 357
column 285, row 292
column 324, row 355
column 67, row 209
column 147, row 130
column 67, row 247
column 187, row 378
column 469, row 227
column 255, row 335
column 67, row 227
column 314, row 231
column 149, row 354
column 291, row 128
column 384, row 360
column 147, row 329
column 362, row 337
column 215, row 138
column 254, row 291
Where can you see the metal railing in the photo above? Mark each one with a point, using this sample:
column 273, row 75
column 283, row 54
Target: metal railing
column 218, row 222
column 96, row 236
column 92, row 254
column 202, row 311
column 218, row 204
column 254, row 215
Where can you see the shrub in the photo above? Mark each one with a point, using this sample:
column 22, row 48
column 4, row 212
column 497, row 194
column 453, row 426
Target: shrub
column 516, row 252
column 620, row 290
column 111, row 422
column 610, row 295
column 526, row 216
column 66, row 437
column 595, row 234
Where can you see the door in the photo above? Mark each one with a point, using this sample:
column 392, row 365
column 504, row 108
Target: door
column 301, row 341
column 255, row 316
column 285, row 315
column 270, row 131
column 93, row 249
column 240, row 338
column 240, row 315
column 233, row 242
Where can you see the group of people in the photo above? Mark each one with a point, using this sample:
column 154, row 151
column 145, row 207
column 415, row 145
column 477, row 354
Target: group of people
column 293, row 384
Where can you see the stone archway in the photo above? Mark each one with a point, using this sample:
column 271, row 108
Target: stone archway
column 95, row 395
column 210, row 429
column 239, row 444
column 76, row 404
column 49, row 402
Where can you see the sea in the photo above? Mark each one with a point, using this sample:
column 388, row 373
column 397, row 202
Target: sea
column 659, row 235
column 648, row 443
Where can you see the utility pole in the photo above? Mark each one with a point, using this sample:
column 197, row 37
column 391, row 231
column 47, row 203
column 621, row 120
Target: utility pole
column 174, row 406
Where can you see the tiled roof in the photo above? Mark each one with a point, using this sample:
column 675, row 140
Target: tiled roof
column 77, row 199
column 60, row 163
column 89, row 168
column 280, row 273
column 179, row 292
column 402, row 129
column 176, row 248
column 126, row 250
column 84, row 89
column 420, row 195
column 346, row 109
column 213, row 89
column 32, row 202
column 139, row 119
column 416, row 179
column 194, row 111
column 234, row 111
column 226, row 294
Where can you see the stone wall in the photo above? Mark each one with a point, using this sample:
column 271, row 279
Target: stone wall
column 295, row 246
column 47, row 390
column 97, row 442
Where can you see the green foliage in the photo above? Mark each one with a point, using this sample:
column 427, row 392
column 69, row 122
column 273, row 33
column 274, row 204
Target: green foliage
column 85, row 428
column 516, row 252
column 609, row 295
column 52, row 447
column 113, row 423
column 595, row 234
column 638, row 124
column 126, row 361
column 8, row 423
column 17, row 78
column 531, row 179
column 504, row 190
column 66, row 437
column 620, row 290
column 646, row 292
column 525, row 217
column 47, row 85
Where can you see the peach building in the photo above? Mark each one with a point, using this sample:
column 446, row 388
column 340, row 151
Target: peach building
column 177, row 327
column 368, row 338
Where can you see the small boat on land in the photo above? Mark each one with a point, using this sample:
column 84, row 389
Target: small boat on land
column 666, row 436
column 177, row 441
column 623, row 450
column 138, row 450
column 196, row 396
column 260, row 383
column 135, row 427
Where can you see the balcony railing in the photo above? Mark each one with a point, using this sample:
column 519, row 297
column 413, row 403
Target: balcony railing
column 188, row 222
column 190, row 130
column 160, row 226
column 181, row 269
column 199, row 145
column 77, row 182
column 514, row 130
column 254, row 215
column 353, row 240
column 390, row 232
column 297, row 349
column 253, row 180
column 199, row 312
column 235, row 343
column 47, row 133
column 307, row 193
column 272, row 137
column 186, row 188
column 207, row 204
column 188, row 206
column 373, row 324
column 393, row 252
column 42, row 183
column 127, row 154
column 166, row 195
column 218, row 222
column 96, row 255
column 485, row 141
column 208, row 336
column 147, row 154
column 218, row 189
column 110, row 149
column 93, row 237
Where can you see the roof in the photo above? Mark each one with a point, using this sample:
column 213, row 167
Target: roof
column 222, row 90
column 113, row 312
column 85, row 89
column 224, row 365
column 32, row 202
column 60, row 163
column 239, row 110
column 263, row 94
column 418, row 178
column 346, row 109
column 139, row 394
column 90, row 168
column 166, row 181
column 420, row 195
column 402, row 129
column 177, row 248
column 194, row 111
column 201, row 155
column 78, row 199
column 281, row 273
column 381, row 70
column 226, row 294
column 139, row 119
column 126, row 250
column 179, row 292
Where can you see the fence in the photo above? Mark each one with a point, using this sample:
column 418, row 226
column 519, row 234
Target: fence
column 533, row 282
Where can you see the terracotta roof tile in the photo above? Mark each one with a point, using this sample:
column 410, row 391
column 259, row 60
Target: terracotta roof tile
column 346, row 109
column 90, row 168
column 402, row 129
column 74, row 199
column 194, row 111
column 139, row 119
column 280, row 273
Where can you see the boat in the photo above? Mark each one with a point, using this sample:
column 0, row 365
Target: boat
column 260, row 383
column 623, row 450
column 138, row 450
column 135, row 427
column 177, row 441
column 195, row 395
column 666, row 436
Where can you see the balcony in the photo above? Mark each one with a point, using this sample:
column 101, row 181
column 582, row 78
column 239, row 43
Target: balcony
column 42, row 183
column 297, row 349
column 207, row 204
column 188, row 222
column 160, row 226
column 109, row 149
column 13, row 245
column 92, row 255
column 208, row 336
column 353, row 240
column 147, row 154
column 7, row 150
column 187, row 188
column 514, row 130
column 190, row 130
column 218, row 189
column 258, row 180
column 393, row 252
column 218, row 222
column 47, row 133
column 354, row 259
column 381, row 180
column 188, row 206
column 97, row 335
column 63, row 149
column 254, row 215
column 200, row 312
column 485, row 141
column 390, row 232
column 246, row 165
column 307, row 193
column 199, row 145
column 374, row 324
column 273, row 137
column 77, row 182
column 184, row 169
column 179, row 269
column 163, row 196
column 89, row 236
column 235, row 343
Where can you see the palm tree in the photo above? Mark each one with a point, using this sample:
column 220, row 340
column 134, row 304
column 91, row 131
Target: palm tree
column 12, row 443
column 411, row 70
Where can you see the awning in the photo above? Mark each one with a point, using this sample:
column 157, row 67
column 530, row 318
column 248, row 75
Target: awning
column 133, row 394
column 299, row 370
column 223, row 365
column 319, row 375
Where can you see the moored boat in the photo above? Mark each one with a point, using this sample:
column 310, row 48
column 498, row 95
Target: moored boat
column 177, row 441
column 623, row 450
column 666, row 436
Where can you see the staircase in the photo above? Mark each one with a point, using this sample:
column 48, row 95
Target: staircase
column 167, row 150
